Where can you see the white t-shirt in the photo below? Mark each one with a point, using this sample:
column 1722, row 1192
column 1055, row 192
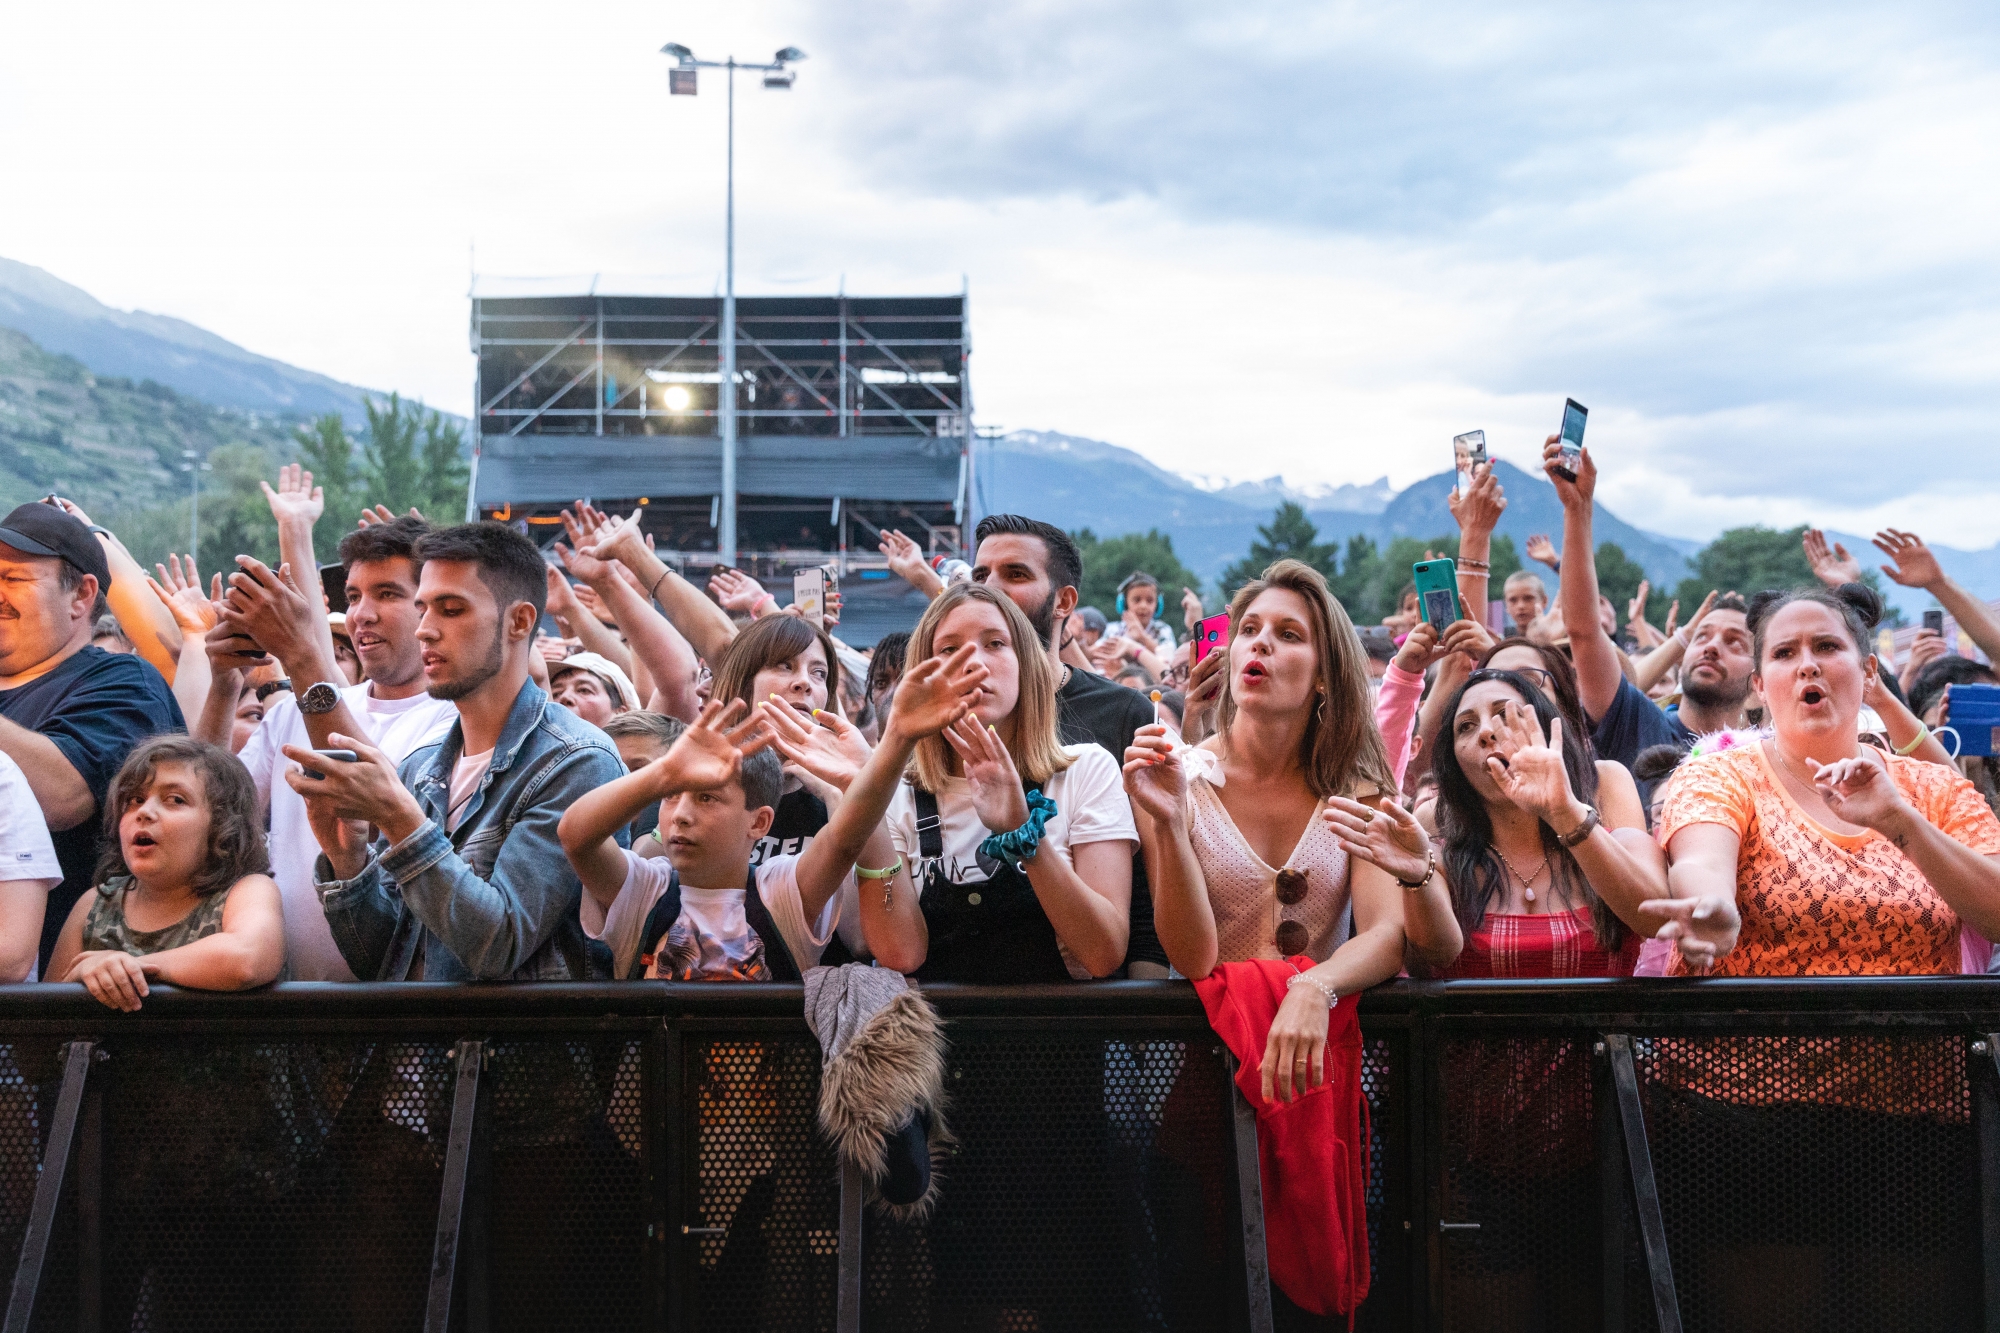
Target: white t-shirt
column 712, row 939
column 397, row 727
column 1090, row 807
column 27, row 853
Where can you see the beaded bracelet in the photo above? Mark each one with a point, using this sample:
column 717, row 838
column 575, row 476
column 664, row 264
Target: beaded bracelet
column 1297, row 977
column 1018, row 845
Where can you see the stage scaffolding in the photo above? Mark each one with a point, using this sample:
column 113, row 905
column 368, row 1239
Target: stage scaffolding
column 854, row 414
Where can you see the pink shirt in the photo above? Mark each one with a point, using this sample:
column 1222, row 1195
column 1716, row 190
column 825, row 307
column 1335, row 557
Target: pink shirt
column 1396, row 715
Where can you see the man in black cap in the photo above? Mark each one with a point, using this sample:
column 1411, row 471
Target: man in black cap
column 69, row 712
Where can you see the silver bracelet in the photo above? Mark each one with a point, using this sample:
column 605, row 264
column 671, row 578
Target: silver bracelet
column 1297, row 977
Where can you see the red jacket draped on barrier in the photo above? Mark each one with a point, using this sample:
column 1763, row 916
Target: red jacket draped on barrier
column 1312, row 1150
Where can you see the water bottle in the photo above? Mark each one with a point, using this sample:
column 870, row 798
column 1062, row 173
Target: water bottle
column 951, row 569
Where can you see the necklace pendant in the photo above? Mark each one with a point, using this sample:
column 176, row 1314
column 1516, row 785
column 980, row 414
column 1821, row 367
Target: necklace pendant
column 1530, row 893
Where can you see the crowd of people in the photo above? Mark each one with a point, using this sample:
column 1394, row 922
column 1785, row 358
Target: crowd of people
column 223, row 785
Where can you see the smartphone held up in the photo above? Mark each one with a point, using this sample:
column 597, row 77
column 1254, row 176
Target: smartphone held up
column 1571, row 440
column 1468, row 451
column 1209, row 635
column 1437, row 591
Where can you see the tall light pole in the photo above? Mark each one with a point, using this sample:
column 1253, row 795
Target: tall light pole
column 681, row 82
column 194, row 467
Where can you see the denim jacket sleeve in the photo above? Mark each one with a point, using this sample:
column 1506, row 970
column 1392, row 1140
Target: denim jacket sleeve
column 496, row 925
column 363, row 913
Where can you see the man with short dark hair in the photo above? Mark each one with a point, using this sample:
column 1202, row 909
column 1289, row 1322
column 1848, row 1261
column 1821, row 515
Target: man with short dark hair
column 69, row 712
column 390, row 707
column 1039, row 567
column 465, row 877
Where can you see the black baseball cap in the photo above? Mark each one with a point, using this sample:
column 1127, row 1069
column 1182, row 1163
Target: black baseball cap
column 42, row 529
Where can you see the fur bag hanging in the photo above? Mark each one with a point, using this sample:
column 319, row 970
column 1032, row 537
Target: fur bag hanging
column 881, row 1091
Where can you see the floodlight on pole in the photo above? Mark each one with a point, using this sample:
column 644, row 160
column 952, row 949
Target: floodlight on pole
column 681, row 81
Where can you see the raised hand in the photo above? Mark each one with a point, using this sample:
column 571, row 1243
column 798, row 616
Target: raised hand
column 737, row 592
column 934, row 694
column 296, row 498
column 1673, row 617
column 1190, row 608
column 1386, row 836
column 1635, row 610
column 710, row 753
column 266, row 605
column 1420, row 649
column 1531, row 775
column 611, row 538
column 1915, row 566
column 1204, row 693
column 1831, row 567
column 1700, row 613
column 1927, row 647
column 1541, row 549
column 1860, row 791
column 905, row 557
column 1703, row 929
column 1466, row 636
column 826, row 745
column 180, row 588
column 1479, row 509
column 1571, row 493
column 380, row 514
column 561, row 595
column 1155, row 778
column 989, row 770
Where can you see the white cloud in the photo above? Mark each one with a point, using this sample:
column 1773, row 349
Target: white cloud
column 1309, row 240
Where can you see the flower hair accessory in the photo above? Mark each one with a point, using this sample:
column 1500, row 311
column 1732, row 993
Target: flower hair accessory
column 1729, row 738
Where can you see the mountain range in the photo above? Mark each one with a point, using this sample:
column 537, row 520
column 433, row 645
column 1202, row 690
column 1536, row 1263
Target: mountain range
column 103, row 402
column 139, row 346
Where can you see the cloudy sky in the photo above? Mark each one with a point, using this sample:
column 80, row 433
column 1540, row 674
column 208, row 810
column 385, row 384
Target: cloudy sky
column 1313, row 239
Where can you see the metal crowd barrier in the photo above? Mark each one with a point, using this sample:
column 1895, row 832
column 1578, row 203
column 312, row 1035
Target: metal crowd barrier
column 1545, row 1155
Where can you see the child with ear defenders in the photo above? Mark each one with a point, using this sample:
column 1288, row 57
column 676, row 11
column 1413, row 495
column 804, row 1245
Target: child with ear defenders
column 692, row 915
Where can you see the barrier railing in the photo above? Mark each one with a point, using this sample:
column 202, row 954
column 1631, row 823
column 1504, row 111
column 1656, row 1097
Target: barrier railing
column 1590, row 1155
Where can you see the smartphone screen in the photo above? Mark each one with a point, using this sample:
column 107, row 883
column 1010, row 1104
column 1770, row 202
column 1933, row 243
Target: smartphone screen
column 1934, row 621
column 809, row 595
column 333, row 584
column 1210, row 634
column 1574, row 415
column 1437, row 591
column 1467, row 451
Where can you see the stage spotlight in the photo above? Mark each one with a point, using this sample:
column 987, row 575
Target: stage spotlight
column 676, row 398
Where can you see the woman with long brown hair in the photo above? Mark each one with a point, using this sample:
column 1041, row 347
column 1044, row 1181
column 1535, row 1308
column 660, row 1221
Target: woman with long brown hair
column 1241, row 851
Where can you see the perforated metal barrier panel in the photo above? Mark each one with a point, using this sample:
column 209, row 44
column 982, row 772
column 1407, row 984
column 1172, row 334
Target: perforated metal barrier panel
column 1816, row 1156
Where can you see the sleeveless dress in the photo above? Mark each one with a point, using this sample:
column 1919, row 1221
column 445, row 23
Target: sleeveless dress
column 1242, row 889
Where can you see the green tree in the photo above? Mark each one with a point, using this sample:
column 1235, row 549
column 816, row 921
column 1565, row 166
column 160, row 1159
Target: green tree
column 1289, row 535
column 1107, row 561
column 445, row 471
column 1747, row 560
column 1618, row 577
column 391, row 467
column 325, row 450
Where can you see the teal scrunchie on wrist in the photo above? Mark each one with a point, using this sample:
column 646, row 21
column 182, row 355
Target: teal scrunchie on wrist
column 1016, row 845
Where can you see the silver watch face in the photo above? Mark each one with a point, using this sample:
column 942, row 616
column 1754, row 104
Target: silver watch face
column 320, row 698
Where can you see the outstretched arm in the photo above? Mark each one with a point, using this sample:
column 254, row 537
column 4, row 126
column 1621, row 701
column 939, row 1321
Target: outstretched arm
column 704, row 624
column 1916, row 566
column 1598, row 673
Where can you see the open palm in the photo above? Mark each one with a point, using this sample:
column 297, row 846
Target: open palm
column 935, row 693
column 710, row 753
column 1532, row 775
column 989, row 770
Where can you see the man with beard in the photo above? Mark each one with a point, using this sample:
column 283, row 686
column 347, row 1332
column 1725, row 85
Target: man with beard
column 390, row 707
column 1039, row 568
column 1715, row 677
column 464, row 878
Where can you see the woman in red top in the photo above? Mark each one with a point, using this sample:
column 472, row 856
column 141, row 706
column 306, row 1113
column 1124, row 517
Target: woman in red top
column 1529, row 877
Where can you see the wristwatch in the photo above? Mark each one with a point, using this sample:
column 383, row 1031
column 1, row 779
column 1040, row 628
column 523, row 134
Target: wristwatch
column 321, row 698
column 1583, row 830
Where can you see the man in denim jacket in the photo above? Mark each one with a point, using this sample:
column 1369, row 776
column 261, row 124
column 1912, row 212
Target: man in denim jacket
column 465, row 878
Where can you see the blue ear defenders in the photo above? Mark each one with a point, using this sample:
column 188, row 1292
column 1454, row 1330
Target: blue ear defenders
column 1130, row 579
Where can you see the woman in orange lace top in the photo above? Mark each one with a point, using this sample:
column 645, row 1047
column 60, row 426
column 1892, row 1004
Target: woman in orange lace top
column 1809, row 852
